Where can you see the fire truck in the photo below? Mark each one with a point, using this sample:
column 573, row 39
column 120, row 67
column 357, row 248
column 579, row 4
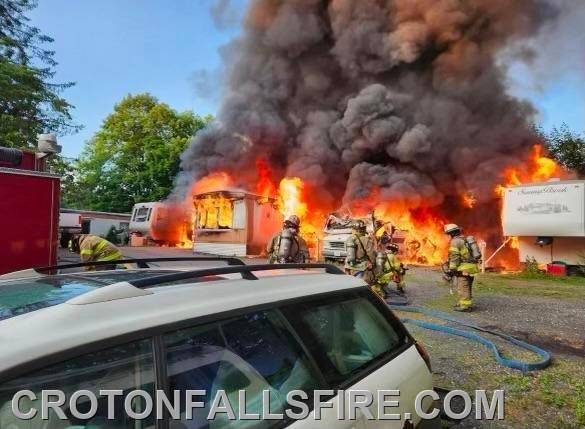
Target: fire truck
column 29, row 207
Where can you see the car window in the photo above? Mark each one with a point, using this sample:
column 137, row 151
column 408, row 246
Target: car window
column 127, row 367
column 346, row 335
column 23, row 296
column 255, row 352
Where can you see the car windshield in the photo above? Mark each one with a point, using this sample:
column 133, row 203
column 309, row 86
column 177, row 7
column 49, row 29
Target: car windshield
column 26, row 295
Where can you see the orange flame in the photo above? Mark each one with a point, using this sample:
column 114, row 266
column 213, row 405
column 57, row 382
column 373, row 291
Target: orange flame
column 214, row 212
column 539, row 168
column 265, row 186
column 213, row 182
column 468, row 200
column 290, row 201
column 419, row 232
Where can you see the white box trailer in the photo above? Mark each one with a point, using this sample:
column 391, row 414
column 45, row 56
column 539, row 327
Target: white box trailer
column 72, row 221
column 234, row 222
column 548, row 219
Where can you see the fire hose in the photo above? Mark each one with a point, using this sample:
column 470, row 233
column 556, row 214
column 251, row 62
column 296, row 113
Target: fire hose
column 510, row 363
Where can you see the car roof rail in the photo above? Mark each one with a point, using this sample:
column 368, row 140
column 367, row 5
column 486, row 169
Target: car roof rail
column 141, row 262
column 247, row 272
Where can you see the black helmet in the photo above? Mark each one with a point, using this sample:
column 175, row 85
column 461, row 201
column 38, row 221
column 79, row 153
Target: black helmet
column 392, row 247
column 293, row 222
column 359, row 225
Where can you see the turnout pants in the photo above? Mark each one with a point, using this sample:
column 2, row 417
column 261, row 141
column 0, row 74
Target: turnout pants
column 464, row 284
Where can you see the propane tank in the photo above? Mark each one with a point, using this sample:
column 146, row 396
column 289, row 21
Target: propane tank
column 380, row 261
column 473, row 247
column 351, row 249
column 285, row 245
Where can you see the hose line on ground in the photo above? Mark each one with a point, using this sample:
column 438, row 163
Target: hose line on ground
column 510, row 363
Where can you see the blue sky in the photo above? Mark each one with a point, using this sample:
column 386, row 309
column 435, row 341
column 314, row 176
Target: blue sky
column 112, row 48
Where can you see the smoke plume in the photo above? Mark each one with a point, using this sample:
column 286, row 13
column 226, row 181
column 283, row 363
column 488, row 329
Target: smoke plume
column 407, row 97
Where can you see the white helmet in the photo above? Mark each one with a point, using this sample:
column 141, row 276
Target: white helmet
column 451, row 228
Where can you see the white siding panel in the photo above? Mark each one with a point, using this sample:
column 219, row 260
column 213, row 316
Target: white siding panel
column 222, row 249
column 239, row 215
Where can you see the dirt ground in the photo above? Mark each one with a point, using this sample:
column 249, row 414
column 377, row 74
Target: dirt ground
column 547, row 312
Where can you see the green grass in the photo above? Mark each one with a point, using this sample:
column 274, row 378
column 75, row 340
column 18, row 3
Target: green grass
column 519, row 285
column 530, row 285
column 553, row 397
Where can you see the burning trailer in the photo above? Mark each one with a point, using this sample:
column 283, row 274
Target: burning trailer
column 234, row 222
column 160, row 223
column 548, row 221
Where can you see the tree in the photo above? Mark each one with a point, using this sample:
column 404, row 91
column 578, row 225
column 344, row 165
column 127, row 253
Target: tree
column 65, row 168
column 29, row 102
column 568, row 148
column 135, row 155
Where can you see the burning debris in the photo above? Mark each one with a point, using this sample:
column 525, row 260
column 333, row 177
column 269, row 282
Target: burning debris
column 397, row 106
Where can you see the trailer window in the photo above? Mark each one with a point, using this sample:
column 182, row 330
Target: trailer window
column 141, row 214
column 214, row 212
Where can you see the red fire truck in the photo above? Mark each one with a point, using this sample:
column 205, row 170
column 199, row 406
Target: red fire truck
column 29, row 207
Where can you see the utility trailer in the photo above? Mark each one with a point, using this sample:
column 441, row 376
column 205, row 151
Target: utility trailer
column 549, row 220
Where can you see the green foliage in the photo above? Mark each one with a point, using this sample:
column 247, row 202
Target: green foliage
column 567, row 147
column 66, row 169
column 29, row 102
column 531, row 266
column 135, row 155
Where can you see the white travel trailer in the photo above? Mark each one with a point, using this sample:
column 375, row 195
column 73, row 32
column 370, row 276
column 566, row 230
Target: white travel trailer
column 161, row 223
column 548, row 219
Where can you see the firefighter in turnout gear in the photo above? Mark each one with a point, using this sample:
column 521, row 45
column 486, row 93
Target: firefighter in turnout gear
column 287, row 246
column 361, row 253
column 464, row 256
column 390, row 269
column 92, row 248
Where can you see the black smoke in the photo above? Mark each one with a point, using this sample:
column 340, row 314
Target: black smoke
column 408, row 96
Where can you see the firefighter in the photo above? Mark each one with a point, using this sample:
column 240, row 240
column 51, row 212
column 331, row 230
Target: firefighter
column 287, row 246
column 361, row 253
column 391, row 270
column 464, row 256
column 92, row 248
